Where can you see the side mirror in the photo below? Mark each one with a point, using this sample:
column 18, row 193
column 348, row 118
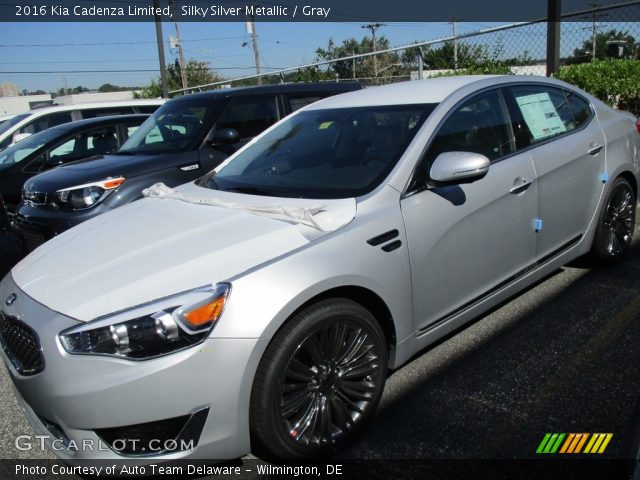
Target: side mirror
column 224, row 136
column 459, row 167
column 20, row 136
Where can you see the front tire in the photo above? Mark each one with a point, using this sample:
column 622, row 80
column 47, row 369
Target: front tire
column 318, row 382
column 616, row 223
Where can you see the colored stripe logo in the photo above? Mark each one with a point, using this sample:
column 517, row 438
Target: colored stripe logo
column 594, row 443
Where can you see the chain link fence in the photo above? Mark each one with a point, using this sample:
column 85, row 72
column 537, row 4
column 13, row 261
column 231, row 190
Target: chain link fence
column 601, row 32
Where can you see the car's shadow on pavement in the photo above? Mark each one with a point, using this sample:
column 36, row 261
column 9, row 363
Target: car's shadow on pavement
column 561, row 357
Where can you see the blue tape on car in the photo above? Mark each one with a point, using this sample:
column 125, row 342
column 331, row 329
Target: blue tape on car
column 604, row 177
column 537, row 224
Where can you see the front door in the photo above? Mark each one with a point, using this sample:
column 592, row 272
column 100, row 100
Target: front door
column 466, row 240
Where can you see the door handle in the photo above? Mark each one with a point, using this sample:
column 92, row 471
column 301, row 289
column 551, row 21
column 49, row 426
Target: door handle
column 594, row 149
column 520, row 184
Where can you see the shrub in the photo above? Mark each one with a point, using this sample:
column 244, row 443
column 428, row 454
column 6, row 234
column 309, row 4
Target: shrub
column 615, row 82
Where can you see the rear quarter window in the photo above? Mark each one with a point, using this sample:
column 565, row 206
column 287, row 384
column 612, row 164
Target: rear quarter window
column 580, row 108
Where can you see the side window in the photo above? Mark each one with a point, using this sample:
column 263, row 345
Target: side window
column 249, row 116
column 59, row 119
column 544, row 111
column 100, row 142
column 46, row 121
column 480, row 125
column 581, row 109
column 129, row 129
column 37, row 164
column 64, row 150
column 87, row 144
column 146, row 108
column 298, row 101
column 104, row 112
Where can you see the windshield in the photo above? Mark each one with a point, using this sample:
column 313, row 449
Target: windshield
column 337, row 153
column 7, row 124
column 174, row 127
column 21, row 150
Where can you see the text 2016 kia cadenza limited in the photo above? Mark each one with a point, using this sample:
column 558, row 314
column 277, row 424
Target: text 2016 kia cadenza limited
column 260, row 307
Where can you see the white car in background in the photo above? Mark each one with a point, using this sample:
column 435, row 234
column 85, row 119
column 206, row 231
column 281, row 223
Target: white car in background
column 17, row 127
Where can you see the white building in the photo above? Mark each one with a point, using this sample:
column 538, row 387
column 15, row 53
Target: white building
column 14, row 105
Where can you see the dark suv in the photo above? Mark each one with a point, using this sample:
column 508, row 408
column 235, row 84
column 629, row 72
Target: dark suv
column 185, row 138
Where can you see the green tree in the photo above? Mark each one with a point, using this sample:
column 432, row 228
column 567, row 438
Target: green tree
column 363, row 66
column 107, row 87
column 584, row 53
column 198, row 73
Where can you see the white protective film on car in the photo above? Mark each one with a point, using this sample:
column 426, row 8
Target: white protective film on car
column 324, row 217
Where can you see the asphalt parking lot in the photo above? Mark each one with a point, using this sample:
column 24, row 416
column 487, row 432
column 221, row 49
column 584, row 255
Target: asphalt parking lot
column 561, row 357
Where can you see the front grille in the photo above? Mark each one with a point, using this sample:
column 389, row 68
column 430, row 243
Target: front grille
column 32, row 240
column 33, row 234
column 21, row 345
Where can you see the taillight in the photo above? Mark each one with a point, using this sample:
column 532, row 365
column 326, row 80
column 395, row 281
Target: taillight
column 638, row 125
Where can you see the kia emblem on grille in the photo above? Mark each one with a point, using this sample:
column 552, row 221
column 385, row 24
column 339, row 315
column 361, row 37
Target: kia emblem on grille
column 10, row 299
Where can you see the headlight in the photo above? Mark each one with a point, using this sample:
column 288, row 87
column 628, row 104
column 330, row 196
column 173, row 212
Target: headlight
column 170, row 324
column 85, row 196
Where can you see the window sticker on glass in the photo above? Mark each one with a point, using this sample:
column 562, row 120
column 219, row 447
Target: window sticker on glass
column 324, row 125
column 541, row 116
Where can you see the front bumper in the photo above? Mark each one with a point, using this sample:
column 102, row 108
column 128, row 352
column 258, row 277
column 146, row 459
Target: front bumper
column 80, row 395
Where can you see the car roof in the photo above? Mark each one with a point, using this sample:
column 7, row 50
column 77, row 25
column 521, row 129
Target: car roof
column 431, row 90
column 98, row 121
column 85, row 106
column 273, row 89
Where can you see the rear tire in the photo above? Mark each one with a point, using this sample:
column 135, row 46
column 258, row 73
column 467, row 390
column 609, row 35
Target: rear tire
column 318, row 382
column 616, row 223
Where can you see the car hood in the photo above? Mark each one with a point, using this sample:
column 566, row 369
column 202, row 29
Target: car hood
column 98, row 168
column 156, row 247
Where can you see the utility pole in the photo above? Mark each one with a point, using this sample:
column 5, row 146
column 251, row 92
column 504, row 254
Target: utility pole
column 183, row 64
column 66, row 89
column 373, row 27
column 353, row 64
column 251, row 28
column 163, row 68
column 594, row 30
column 455, row 42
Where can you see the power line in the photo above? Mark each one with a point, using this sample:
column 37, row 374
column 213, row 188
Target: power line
column 131, row 71
column 93, row 44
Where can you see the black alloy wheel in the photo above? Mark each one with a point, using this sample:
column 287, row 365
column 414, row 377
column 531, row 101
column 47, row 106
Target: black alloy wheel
column 616, row 223
column 319, row 380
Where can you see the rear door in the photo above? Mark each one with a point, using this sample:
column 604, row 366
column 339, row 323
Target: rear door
column 567, row 146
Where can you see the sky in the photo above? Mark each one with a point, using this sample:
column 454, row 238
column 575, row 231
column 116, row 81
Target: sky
column 132, row 46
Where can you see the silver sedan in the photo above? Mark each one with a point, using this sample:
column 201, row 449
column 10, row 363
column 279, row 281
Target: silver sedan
column 261, row 307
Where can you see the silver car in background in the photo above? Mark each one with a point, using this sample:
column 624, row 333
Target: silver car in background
column 261, row 307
